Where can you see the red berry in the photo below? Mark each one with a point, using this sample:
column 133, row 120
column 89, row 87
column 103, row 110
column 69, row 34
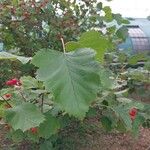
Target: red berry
column 13, row 82
column 9, row 83
column 34, row 130
column 7, row 96
column 133, row 113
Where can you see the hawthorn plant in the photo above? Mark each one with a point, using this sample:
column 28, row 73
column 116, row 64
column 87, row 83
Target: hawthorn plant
column 67, row 83
column 72, row 76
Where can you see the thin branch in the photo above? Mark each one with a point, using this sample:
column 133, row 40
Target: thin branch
column 63, row 44
column 109, row 107
column 42, row 104
column 25, row 100
column 6, row 101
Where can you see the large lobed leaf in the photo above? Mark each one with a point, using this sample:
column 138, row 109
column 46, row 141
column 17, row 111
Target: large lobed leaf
column 24, row 116
column 72, row 77
column 91, row 39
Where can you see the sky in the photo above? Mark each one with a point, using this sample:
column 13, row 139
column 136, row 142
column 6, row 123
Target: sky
column 130, row 8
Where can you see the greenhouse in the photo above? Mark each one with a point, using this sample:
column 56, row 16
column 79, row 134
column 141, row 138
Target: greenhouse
column 139, row 36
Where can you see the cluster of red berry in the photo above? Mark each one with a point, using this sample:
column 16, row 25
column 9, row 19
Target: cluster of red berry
column 13, row 82
column 8, row 96
column 133, row 112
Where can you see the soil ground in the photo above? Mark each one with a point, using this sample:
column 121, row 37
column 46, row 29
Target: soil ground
column 91, row 140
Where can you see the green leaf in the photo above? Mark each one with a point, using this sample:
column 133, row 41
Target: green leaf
column 106, row 122
column 91, row 39
column 5, row 55
column 72, row 77
column 147, row 66
column 91, row 113
column 122, row 57
column 122, row 33
column 5, row 91
column 32, row 137
column 105, row 78
column 24, row 116
column 133, row 60
column 15, row 2
column 123, row 113
column 46, row 145
column 121, row 126
column 29, row 82
column 139, row 120
column 71, row 46
column 100, row 6
column 17, row 136
column 125, row 21
column 111, row 30
column 108, row 14
column 119, row 19
column 49, row 127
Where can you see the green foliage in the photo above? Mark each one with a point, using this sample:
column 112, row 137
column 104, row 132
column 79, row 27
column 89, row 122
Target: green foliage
column 139, row 74
column 38, row 25
column 69, row 72
column 17, row 136
column 133, row 60
column 108, row 14
column 94, row 40
column 13, row 69
column 119, row 19
column 46, row 145
column 100, row 5
column 49, row 127
column 9, row 56
column 24, row 116
column 106, row 122
column 29, row 82
column 9, row 69
column 139, row 120
column 123, row 113
column 106, row 78
column 122, row 33
column 68, row 84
